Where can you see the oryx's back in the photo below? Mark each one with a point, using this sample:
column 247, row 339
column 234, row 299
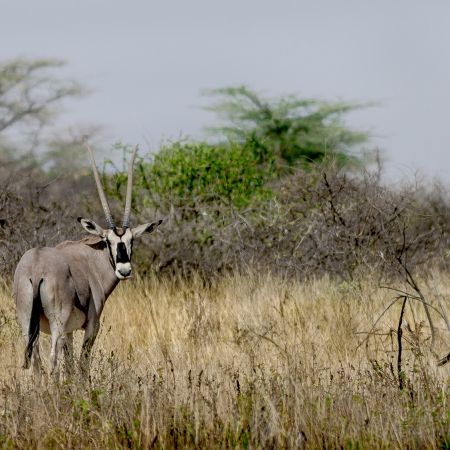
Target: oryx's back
column 41, row 262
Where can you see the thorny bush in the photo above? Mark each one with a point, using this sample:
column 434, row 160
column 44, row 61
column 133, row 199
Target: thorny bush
column 317, row 221
column 324, row 220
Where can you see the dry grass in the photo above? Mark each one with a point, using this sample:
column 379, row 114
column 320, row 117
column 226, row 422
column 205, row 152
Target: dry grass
column 250, row 362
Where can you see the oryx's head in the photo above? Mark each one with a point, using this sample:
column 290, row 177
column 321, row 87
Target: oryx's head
column 118, row 240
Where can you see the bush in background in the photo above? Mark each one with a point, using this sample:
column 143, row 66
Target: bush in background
column 321, row 221
column 184, row 173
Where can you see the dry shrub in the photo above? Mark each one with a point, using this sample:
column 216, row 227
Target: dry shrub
column 259, row 361
column 322, row 221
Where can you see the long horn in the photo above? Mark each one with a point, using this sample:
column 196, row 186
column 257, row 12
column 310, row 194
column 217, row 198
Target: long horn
column 127, row 212
column 101, row 192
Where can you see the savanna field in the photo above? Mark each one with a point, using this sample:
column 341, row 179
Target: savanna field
column 292, row 297
column 248, row 361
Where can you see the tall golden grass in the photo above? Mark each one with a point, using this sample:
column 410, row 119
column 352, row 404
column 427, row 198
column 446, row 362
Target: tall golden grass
column 252, row 361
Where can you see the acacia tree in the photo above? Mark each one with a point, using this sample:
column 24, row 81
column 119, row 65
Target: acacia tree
column 287, row 130
column 31, row 92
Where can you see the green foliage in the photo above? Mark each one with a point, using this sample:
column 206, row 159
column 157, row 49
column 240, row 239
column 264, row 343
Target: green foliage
column 287, row 130
column 188, row 173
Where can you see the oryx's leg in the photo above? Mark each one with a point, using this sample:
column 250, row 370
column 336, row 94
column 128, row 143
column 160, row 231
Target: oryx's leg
column 36, row 361
column 57, row 345
column 24, row 315
column 57, row 300
column 38, row 369
column 90, row 334
column 68, row 354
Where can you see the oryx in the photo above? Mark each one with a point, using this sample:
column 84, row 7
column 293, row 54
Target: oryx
column 59, row 290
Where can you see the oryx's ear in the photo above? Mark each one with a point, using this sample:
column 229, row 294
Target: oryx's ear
column 91, row 227
column 145, row 228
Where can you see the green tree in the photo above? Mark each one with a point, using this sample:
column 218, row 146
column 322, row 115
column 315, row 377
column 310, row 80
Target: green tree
column 31, row 93
column 287, row 130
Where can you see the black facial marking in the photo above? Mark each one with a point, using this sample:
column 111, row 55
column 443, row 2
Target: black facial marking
column 110, row 252
column 122, row 255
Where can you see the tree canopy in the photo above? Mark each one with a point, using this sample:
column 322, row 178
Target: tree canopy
column 287, row 130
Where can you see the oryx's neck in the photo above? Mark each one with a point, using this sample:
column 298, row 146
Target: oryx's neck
column 90, row 262
column 103, row 269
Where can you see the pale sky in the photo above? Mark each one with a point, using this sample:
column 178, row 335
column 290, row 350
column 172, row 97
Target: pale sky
column 147, row 62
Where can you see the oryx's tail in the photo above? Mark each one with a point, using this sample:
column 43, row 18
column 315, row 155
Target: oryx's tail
column 33, row 329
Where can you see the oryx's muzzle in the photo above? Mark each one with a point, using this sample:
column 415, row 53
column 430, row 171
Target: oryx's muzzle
column 123, row 263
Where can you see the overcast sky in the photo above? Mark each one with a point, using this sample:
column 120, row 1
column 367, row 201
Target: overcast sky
column 147, row 62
